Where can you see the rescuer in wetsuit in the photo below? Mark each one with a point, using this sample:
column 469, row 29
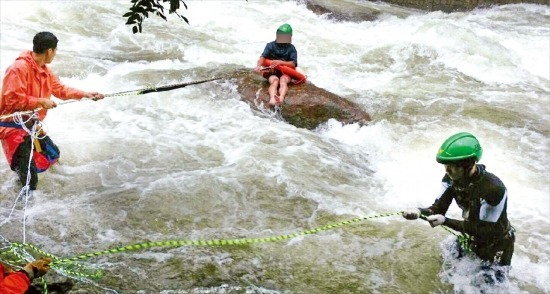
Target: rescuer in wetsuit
column 480, row 194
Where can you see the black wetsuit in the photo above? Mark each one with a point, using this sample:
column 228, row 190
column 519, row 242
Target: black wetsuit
column 483, row 199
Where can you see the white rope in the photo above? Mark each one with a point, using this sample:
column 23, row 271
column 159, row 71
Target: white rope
column 25, row 192
column 18, row 252
column 6, row 241
column 23, row 254
column 34, row 111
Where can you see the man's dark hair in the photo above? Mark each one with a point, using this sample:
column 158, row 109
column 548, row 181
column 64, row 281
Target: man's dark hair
column 44, row 41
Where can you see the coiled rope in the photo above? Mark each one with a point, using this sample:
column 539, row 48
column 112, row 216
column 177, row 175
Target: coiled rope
column 17, row 253
column 21, row 119
column 25, row 192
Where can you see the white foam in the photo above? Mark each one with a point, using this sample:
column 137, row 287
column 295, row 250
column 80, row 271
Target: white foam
column 198, row 162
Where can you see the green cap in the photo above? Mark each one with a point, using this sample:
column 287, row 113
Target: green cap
column 285, row 29
column 458, row 147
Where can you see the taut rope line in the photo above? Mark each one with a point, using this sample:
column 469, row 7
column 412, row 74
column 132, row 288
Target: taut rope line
column 71, row 267
column 124, row 93
column 19, row 252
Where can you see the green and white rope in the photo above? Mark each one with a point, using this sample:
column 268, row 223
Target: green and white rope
column 65, row 264
column 71, row 267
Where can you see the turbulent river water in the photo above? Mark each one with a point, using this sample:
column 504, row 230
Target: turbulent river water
column 198, row 164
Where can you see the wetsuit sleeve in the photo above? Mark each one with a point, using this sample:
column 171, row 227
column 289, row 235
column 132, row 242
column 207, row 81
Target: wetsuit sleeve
column 63, row 92
column 14, row 90
column 14, row 283
column 442, row 202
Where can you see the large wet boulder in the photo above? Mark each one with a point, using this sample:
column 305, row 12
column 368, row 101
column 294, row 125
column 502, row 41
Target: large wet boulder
column 354, row 11
column 350, row 12
column 363, row 11
column 306, row 105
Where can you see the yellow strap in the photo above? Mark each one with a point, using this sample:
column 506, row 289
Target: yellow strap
column 37, row 146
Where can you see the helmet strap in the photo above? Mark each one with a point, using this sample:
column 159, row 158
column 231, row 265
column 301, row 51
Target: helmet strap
column 470, row 171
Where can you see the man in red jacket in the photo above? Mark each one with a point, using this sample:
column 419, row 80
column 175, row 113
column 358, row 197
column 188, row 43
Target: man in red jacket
column 28, row 85
column 18, row 282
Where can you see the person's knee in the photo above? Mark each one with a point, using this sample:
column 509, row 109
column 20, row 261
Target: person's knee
column 285, row 79
column 23, row 173
column 21, row 155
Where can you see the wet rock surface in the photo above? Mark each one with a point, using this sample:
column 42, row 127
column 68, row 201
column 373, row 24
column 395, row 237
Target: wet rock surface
column 306, row 105
column 355, row 12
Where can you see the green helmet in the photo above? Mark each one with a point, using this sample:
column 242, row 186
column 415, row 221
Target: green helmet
column 285, row 29
column 459, row 147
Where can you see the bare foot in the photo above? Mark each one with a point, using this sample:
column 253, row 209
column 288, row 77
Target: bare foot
column 279, row 99
column 276, row 100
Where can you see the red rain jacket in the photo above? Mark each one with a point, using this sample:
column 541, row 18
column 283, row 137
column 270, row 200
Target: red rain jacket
column 25, row 82
column 14, row 283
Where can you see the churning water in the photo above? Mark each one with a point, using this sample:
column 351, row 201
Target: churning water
column 198, row 164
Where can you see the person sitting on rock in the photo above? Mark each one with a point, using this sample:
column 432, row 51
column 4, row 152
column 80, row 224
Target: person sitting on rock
column 280, row 52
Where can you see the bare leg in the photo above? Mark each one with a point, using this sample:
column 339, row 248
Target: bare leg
column 273, row 85
column 283, row 88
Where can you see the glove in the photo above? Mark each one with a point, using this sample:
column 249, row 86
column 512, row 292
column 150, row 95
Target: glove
column 436, row 220
column 37, row 268
column 411, row 213
column 7, row 270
